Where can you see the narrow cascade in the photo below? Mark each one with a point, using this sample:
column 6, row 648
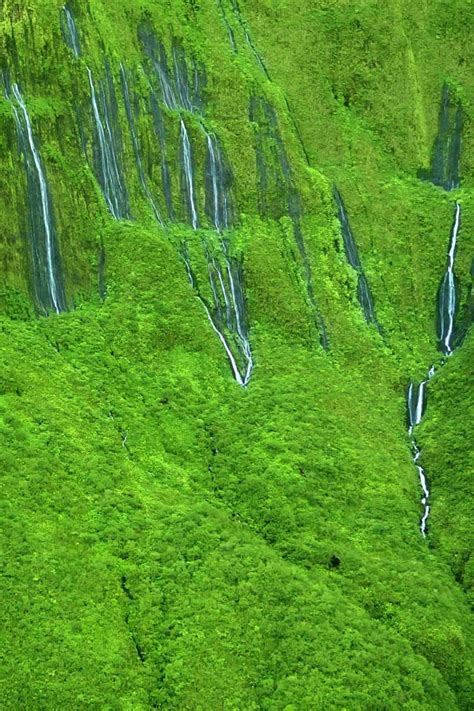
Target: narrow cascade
column 226, row 313
column 278, row 194
column 180, row 89
column 136, row 144
column 189, row 93
column 248, row 38
column 445, row 164
column 226, row 309
column 47, row 270
column 447, row 301
column 230, row 31
column 363, row 291
column 188, row 176
column 218, row 184
column 416, row 405
column 108, row 149
column 70, row 31
column 179, row 92
column 416, row 396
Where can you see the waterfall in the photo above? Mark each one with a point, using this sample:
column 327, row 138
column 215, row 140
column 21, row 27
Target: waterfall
column 136, row 145
column 70, row 32
column 108, row 147
column 46, row 261
column 181, row 90
column 416, row 404
column 238, row 301
column 363, row 291
column 188, row 175
column 226, row 284
column 178, row 93
column 167, row 88
column 416, row 396
column 230, row 315
column 226, row 310
column 247, row 37
column 107, row 156
column 230, row 31
column 447, row 292
column 218, row 184
column 227, row 319
column 181, row 80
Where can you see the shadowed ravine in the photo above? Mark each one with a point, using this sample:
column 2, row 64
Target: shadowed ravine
column 350, row 248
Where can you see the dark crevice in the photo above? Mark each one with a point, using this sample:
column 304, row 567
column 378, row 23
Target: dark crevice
column 138, row 648
column 446, row 154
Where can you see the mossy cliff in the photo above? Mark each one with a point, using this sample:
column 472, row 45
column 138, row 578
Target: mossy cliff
column 171, row 538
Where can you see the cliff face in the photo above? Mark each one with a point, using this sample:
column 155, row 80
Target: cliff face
column 224, row 235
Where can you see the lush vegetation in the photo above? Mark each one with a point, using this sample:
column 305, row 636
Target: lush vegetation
column 170, row 539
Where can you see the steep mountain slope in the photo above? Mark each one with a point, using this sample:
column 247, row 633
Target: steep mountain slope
column 224, row 237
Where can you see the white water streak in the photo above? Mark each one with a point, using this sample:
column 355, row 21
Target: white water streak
column 73, row 35
column 141, row 172
column 451, row 306
column 52, row 285
column 188, row 173
column 110, row 171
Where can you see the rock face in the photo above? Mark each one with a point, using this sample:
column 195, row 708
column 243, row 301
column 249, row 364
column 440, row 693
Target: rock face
column 210, row 496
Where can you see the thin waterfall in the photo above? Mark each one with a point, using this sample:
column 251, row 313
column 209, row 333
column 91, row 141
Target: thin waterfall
column 169, row 97
column 416, row 405
column 230, row 282
column 363, row 291
column 447, row 301
column 188, row 175
column 218, row 184
column 230, row 31
column 108, row 145
column 178, row 90
column 416, row 395
column 226, row 309
column 70, row 31
column 350, row 247
column 248, row 38
column 136, row 145
column 183, row 88
column 47, row 279
column 220, row 334
column 107, row 155
column 226, row 313
column 238, row 306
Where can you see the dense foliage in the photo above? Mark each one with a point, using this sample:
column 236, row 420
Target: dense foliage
column 171, row 539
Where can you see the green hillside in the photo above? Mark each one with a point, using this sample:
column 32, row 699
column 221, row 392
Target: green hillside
column 209, row 498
